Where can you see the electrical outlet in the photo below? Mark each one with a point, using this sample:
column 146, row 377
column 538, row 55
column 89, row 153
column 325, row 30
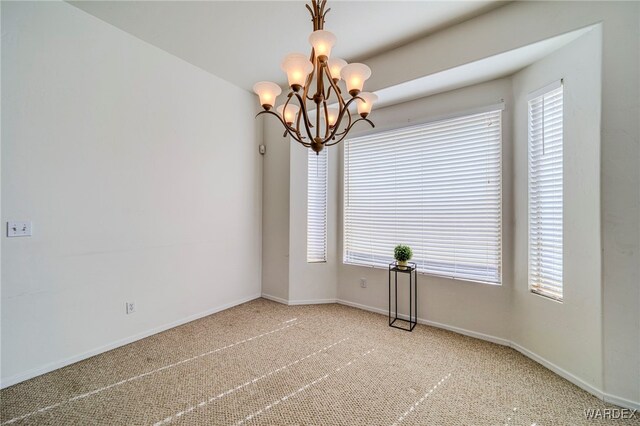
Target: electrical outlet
column 363, row 282
column 131, row 307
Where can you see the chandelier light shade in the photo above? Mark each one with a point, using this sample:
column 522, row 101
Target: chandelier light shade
column 322, row 41
column 267, row 92
column 297, row 67
column 332, row 114
column 335, row 67
column 289, row 115
column 355, row 75
column 316, row 113
column 365, row 105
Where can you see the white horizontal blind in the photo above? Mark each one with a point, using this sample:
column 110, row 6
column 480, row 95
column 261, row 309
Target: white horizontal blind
column 545, row 193
column 317, row 206
column 435, row 187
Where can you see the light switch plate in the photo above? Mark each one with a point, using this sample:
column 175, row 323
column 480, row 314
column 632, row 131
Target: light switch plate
column 18, row 229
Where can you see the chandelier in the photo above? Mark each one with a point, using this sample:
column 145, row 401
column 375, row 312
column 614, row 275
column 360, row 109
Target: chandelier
column 317, row 80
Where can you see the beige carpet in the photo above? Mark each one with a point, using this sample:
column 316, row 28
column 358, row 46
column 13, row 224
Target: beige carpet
column 270, row 364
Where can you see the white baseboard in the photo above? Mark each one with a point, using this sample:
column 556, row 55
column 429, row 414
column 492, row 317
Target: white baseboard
column 559, row 371
column 275, row 299
column 311, row 302
column 622, row 402
column 361, row 306
column 298, row 302
column 477, row 335
column 10, row 381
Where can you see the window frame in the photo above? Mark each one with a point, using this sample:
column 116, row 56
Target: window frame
column 311, row 156
column 498, row 107
column 536, row 288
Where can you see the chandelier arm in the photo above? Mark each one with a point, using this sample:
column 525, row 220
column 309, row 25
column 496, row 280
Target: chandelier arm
column 328, row 94
column 307, row 83
column 317, row 120
column 287, row 128
column 298, row 117
column 296, row 138
column 289, row 96
column 284, row 108
column 341, row 114
column 342, row 106
column 326, row 120
column 327, row 91
column 295, row 134
column 349, row 128
column 346, row 128
column 305, row 92
column 295, row 129
column 325, row 13
column 303, row 100
column 319, row 92
column 303, row 109
column 336, row 89
column 314, row 17
column 318, row 13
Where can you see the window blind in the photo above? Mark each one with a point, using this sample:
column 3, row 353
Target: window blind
column 545, row 193
column 317, row 206
column 436, row 187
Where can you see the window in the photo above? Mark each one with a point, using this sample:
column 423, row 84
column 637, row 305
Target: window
column 317, row 206
column 435, row 187
column 545, row 192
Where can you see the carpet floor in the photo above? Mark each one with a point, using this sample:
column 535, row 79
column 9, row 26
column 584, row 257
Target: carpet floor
column 263, row 363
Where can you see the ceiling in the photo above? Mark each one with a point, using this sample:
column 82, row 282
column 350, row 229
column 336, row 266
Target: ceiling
column 485, row 69
column 244, row 41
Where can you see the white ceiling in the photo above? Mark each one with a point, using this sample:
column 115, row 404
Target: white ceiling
column 244, row 41
column 486, row 69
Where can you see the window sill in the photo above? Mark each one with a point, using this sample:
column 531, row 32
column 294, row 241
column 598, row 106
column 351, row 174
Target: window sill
column 546, row 296
column 467, row 280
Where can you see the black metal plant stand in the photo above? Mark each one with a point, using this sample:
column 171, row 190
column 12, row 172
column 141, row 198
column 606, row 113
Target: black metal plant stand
column 412, row 270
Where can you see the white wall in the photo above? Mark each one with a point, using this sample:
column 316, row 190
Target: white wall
column 568, row 333
column 275, row 212
column 142, row 178
column 311, row 282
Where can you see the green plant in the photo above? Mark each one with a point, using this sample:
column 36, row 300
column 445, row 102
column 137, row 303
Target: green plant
column 402, row 253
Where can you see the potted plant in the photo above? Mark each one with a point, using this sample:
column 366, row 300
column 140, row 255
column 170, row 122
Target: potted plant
column 402, row 254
